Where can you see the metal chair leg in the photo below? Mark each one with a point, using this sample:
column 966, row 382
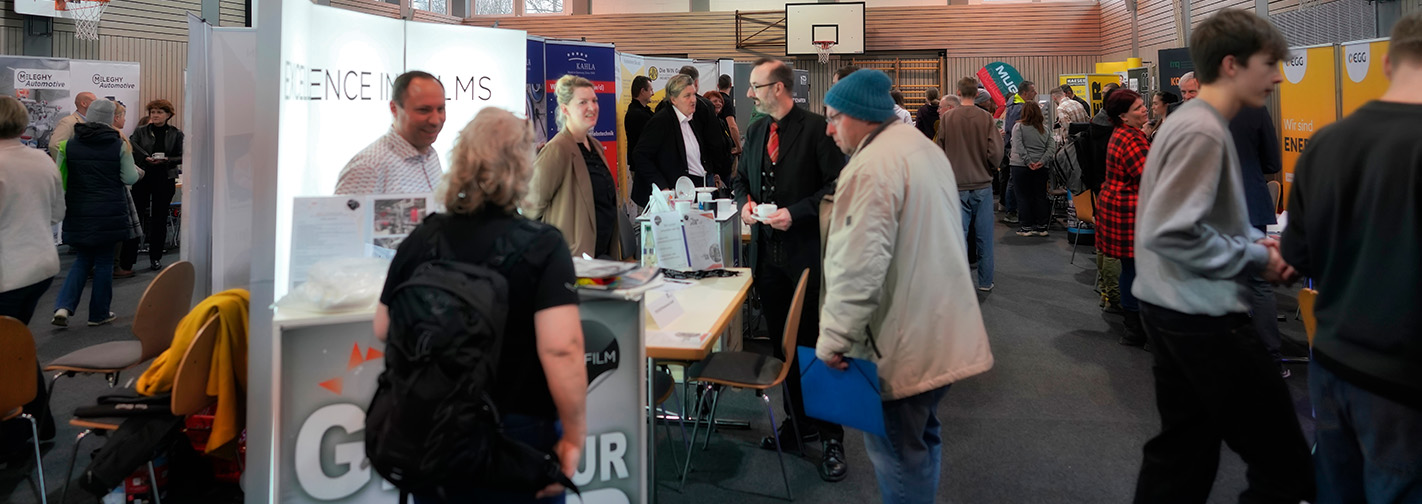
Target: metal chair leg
column 39, row 462
column 153, row 483
column 64, row 495
column 780, row 455
column 686, row 469
column 711, row 420
column 1073, row 248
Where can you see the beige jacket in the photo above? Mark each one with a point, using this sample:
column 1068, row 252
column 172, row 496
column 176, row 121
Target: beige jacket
column 896, row 263
column 62, row 131
column 561, row 194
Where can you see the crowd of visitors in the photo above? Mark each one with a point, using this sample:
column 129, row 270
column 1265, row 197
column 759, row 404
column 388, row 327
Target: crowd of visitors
column 879, row 216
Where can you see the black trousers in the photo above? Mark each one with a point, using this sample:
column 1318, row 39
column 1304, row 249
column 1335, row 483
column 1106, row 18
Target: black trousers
column 776, row 286
column 15, row 433
column 1215, row 382
column 152, row 196
column 1034, row 209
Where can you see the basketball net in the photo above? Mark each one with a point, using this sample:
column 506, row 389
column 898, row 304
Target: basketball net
column 823, row 47
column 86, row 14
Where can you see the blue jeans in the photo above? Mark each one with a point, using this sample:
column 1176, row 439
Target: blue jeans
column 907, row 462
column 537, row 432
column 977, row 215
column 99, row 259
column 1128, row 276
column 1369, row 447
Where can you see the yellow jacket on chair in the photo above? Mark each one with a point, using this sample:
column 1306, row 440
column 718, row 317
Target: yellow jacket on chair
column 227, row 379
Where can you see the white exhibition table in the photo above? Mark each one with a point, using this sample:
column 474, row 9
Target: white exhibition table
column 326, row 367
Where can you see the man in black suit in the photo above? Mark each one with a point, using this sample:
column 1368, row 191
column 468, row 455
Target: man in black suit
column 789, row 161
column 672, row 147
column 707, row 126
column 638, row 113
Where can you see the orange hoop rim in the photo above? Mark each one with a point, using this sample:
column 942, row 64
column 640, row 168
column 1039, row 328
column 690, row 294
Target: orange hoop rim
column 63, row 5
column 823, row 44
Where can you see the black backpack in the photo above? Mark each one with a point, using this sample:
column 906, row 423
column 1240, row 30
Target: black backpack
column 432, row 420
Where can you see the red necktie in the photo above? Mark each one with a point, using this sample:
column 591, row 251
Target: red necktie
column 773, row 146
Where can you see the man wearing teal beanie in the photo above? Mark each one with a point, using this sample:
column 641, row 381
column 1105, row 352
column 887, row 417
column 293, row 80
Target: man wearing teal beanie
column 897, row 284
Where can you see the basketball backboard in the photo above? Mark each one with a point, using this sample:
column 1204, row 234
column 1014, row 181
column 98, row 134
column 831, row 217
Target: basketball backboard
column 806, row 23
column 40, row 8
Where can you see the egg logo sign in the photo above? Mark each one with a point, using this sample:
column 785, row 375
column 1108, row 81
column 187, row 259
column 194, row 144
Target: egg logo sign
column 1356, row 59
column 602, row 353
column 1296, row 66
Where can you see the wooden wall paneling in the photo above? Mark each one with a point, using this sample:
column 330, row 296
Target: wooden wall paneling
column 1042, row 70
column 232, row 13
column 369, row 7
column 1115, row 29
column 1410, row 6
column 157, row 19
column 911, row 75
column 12, row 39
column 1158, row 26
column 1063, row 28
column 434, row 17
column 1200, row 10
column 161, row 65
column 67, row 46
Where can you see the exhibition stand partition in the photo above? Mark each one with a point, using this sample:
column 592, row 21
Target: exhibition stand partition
column 288, row 104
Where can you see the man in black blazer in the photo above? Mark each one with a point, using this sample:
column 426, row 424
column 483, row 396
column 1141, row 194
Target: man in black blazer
column 707, row 126
column 672, row 146
column 789, row 161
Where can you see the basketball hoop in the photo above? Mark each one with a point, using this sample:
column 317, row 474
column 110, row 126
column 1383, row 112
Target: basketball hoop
column 86, row 14
column 823, row 47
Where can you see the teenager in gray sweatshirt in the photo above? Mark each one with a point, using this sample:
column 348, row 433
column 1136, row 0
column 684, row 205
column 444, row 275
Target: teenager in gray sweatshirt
column 1194, row 250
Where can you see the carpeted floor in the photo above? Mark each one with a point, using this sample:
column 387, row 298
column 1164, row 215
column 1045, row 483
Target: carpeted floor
column 1060, row 418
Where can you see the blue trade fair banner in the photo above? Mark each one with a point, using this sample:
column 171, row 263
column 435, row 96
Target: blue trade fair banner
column 594, row 62
column 536, row 97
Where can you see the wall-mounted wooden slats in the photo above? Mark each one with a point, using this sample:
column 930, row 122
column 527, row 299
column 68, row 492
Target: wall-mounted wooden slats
column 1043, row 70
column 71, row 47
column 12, row 40
column 8, row 17
column 369, row 7
column 432, row 17
column 1037, row 29
column 155, row 19
column 161, row 64
column 1200, row 10
column 1410, row 6
column 232, row 13
column 1115, row 27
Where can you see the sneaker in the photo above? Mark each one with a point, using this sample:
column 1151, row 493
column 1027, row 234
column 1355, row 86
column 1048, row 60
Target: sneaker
column 61, row 318
column 111, row 318
column 1025, row 232
column 1011, row 218
column 988, row 288
column 1040, row 232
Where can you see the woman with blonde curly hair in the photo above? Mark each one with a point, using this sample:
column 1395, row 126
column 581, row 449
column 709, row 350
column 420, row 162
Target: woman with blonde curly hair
column 572, row 187
column 542, row 380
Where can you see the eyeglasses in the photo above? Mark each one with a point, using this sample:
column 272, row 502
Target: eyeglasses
column 834, row 118
column 758, row 86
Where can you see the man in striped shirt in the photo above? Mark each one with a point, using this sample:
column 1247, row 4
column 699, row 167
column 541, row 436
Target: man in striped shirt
column 402, row 161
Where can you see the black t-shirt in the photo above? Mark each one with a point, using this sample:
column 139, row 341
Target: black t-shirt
column 604, row 198
column 728, row 106
column 542, row 279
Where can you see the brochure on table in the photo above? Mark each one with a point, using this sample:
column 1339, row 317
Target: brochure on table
column 369, row 225
column 685, row 242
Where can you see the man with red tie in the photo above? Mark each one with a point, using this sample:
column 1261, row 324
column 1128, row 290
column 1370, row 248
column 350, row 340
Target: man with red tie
column 789, row 161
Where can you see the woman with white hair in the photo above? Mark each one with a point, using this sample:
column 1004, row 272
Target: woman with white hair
column 99, row 167
column 542, row 379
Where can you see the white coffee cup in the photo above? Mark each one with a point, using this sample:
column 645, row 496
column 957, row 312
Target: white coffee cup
column 159, row 155
column 763, row 210
column 683, row 207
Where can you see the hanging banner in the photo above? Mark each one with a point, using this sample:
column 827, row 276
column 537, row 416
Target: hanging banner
column 1001, row 81
column 47, row 87
column 1173, row 64
column 1308, row 101
column 1363, row 79
column 536, row 98
column 594, row 62
column 473, row 76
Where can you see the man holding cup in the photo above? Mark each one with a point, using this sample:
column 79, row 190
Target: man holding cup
column 788, row 165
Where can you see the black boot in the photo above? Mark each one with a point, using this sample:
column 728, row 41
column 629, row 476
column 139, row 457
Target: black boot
column 1135, row 331
column 832, row 464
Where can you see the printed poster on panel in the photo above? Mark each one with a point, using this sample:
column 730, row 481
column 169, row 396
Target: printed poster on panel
column 1363, row 78
column 656, row 70
column 47, row 87
column 1173, row 64
column 594, row 62
column 1308, row 99
column 473, row 76
column 536, row 98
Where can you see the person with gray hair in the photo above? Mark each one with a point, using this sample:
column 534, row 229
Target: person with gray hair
column 99, row 166
column 1189, row 89
column 675, row 144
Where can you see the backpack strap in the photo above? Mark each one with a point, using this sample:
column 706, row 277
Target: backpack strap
column 437, row 245
column 510, row 248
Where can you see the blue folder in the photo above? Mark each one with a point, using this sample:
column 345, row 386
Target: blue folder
column 849, row 398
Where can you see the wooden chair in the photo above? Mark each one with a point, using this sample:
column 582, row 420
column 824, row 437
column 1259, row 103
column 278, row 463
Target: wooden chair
column 17, row 384
column 1085, row 212
column 1274, row 190
column 164, row 303
column 1307, row 299
column 189, row 396
column 754, row 371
